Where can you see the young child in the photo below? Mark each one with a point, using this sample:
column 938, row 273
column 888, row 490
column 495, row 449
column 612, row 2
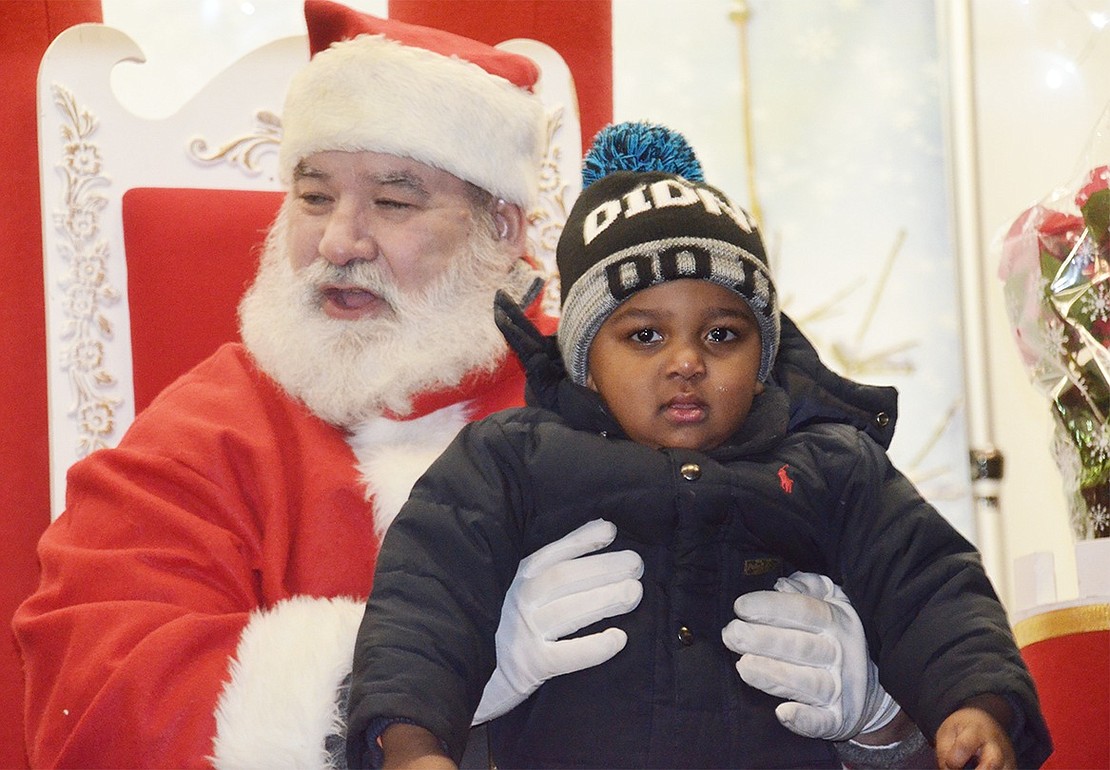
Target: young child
column 662, row 418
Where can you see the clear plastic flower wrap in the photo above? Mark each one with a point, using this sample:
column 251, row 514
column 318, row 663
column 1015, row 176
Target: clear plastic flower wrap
column 1055, row 268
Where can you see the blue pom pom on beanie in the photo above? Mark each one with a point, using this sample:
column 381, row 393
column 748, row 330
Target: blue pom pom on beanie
column 640, row 147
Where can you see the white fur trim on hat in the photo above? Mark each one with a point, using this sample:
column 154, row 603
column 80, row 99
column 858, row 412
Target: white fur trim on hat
column 373, row 93
column 281, row 702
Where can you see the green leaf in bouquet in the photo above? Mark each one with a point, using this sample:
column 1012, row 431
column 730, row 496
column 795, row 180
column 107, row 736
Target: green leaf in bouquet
column 1085, row 268
column 1050, row 265
column 1096, row 214
column 1080, row 412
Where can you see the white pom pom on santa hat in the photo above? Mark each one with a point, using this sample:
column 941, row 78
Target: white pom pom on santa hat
column 448, row 101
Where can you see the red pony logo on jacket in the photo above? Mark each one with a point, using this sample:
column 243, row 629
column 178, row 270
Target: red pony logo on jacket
column 785, row 481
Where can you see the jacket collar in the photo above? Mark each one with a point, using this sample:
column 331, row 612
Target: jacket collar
column 801, row 387
column 817, row 394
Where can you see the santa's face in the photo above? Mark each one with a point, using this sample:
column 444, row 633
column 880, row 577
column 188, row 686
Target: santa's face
column 377, row 284
column 409, row 219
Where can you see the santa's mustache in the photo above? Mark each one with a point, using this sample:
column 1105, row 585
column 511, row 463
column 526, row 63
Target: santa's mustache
column 357, row 274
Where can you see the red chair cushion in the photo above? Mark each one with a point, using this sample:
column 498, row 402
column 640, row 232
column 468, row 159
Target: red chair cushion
column 1072, row 673
column 190, row 255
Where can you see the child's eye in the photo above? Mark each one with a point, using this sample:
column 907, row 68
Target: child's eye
column 646, row 336
column 721, row 334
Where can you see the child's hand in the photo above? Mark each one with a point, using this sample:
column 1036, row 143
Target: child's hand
column 410, row 747
column 972, row 737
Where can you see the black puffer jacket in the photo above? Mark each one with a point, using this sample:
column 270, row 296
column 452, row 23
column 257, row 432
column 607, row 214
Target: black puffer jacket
column 820, row 496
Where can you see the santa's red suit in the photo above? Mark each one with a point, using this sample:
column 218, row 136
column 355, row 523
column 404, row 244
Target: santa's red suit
column 209, row 574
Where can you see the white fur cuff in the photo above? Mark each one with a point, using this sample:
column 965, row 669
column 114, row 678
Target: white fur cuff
column 281, row 703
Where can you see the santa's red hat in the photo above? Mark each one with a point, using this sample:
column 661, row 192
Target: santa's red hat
column 450, row 102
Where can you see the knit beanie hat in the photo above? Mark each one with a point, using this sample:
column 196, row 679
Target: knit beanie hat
column 645, row 216
column 447, row 101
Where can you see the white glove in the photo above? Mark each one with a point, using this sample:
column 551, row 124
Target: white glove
column 557, row 590
column 804, row 642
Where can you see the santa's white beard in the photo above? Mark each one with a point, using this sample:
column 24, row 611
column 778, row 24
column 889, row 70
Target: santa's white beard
column 347, row 371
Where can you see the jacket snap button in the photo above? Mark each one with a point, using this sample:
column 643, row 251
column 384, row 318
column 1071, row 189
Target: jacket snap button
column 685, row 636
column 690, row 471
column 882, row 419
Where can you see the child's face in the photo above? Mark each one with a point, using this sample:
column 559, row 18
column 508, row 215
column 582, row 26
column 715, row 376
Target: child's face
column 677, row 364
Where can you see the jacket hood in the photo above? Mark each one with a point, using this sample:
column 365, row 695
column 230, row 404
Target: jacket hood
column 820, row 395
column 802, row 390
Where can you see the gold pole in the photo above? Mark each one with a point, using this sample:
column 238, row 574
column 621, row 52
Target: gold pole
column 740, row 16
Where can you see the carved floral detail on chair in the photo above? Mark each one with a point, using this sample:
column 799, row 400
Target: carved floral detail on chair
column 546, row 221
column 242, row 151
column 84, row 284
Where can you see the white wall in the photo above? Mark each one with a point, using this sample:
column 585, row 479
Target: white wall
column 186, row 42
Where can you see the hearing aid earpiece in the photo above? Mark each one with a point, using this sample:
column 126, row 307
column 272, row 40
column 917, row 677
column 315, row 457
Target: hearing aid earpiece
column 502, row 224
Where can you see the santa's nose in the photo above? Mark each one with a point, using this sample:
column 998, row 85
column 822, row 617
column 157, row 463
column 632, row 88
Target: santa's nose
column 347, row 236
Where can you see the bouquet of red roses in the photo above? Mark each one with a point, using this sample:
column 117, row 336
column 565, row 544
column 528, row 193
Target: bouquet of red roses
column 1056, row 271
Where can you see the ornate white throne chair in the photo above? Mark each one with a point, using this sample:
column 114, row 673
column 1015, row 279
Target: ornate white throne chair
column 151, row 227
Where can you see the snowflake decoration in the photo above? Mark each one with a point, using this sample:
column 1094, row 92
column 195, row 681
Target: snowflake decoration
column 1096, row 304
column 1056, row 337
column 1100, row 516
column 1099, row 443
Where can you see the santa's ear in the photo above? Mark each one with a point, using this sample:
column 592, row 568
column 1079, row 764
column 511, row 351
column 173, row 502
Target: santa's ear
column 510, row 224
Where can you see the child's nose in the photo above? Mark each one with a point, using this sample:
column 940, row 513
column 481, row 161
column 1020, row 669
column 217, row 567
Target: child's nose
column 688, row 362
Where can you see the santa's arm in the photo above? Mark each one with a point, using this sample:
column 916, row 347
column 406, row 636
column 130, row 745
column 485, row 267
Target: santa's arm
column 140, row 608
